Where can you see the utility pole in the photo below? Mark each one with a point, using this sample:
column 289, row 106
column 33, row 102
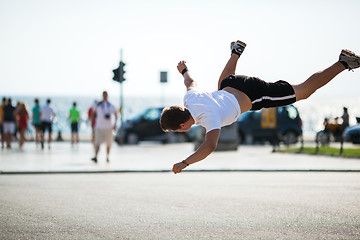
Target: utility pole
column 119, row 77
column 163, row 80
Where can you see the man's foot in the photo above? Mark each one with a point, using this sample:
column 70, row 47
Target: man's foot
column 349, row 59
column 107, row 160
column 237, row 47
column 94, row 159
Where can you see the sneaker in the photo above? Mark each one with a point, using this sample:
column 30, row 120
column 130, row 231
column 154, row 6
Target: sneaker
column 94, row 159
column 349, row 59
column 237, row 47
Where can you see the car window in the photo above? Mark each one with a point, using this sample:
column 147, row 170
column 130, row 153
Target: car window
column 292, row 113
column 244, row 115
column 152, row 114
column 256, row 115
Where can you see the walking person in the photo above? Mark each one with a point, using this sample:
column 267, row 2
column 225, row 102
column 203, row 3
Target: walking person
column 2, row 136
column 47, row 115
column 345, row 119
column 36, row 121
column 92, row 120
column 9, row 122
column 22, row 118
column 74, row 116
column 237, row 94
column 104, row 125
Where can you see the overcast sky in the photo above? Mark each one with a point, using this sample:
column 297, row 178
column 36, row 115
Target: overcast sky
column 70, row 47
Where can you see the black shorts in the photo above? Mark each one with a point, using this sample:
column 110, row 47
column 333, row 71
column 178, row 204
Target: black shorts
column 46, row 125
column 74, row 127
column 262, row 94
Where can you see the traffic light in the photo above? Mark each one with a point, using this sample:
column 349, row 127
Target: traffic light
column 119, row 73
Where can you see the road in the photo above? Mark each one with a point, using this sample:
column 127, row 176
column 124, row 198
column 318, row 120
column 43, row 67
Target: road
column 231, row 195
column 228, row 205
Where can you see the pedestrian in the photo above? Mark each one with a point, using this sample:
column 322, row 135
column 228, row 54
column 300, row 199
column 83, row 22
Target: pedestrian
column 74, row 116
column 104, row 125
column 47, row 116
column 8, row 122
column 36, row 121
column 345, row 119
column 92, row 120
column 3, row 103
column 22, row 118
column 237, row 94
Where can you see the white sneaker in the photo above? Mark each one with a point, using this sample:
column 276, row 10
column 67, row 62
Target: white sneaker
column 349, row 59
column 237, row 47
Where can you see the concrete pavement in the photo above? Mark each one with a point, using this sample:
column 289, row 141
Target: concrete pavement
column 157, row 157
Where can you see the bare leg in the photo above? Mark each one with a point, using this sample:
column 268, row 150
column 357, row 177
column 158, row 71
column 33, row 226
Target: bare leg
column 8, row 138
column 107, row 153
column 49, row 140
column 229, row 68
column 317, row 80
column 97, row 148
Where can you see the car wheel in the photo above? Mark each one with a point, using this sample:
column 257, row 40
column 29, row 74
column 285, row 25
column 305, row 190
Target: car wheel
column 176, row 138
column 323, row 138
column 290, row 138
column 181, row 138
column 132, row 138
column 241, row 138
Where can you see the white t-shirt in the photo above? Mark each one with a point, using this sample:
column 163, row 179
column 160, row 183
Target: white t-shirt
column 212, row 110
column 46, row 113
column 102, row 110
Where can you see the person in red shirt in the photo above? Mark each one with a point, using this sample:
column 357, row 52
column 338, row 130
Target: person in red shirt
column 92, row 121
column 22, row 117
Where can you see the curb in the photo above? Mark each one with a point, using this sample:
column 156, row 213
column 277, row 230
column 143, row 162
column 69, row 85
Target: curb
column 189, row 171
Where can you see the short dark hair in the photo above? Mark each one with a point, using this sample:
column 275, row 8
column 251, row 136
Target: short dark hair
column 172, row 117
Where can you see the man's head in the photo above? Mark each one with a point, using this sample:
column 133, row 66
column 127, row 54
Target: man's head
column 176, row 119
column 105, row 95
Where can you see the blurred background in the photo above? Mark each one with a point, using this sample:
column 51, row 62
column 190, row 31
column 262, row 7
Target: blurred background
column 66, row 51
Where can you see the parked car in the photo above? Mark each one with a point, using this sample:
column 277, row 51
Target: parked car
column 146, row 127
column 287, row 126
column 352, row 134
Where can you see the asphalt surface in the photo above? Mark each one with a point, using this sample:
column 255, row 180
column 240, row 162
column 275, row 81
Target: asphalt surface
column 225, row 205
column 246, row 194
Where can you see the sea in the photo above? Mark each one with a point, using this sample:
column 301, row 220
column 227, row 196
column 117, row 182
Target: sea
column 312, row 111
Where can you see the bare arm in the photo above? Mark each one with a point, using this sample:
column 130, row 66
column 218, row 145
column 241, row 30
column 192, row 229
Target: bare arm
column 188, row 81
column 203, row 151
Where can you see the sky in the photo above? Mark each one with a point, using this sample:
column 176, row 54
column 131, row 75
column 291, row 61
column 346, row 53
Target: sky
column 70, row 47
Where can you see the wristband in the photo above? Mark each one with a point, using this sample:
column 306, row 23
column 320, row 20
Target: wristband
column 184, row 162
column 184, row 71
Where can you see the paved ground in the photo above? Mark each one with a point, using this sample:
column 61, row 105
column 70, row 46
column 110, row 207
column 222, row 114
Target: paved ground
column 228, row 205
column 153, row 203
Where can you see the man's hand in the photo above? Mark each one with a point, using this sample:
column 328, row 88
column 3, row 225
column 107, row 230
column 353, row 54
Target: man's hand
column 181, row 66
column 178, row 167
